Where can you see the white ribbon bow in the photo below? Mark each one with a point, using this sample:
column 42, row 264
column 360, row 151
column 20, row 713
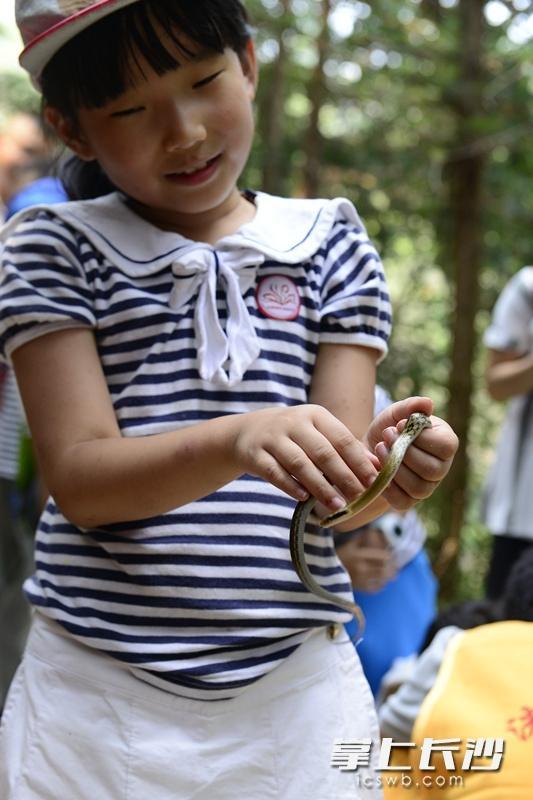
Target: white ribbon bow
column 202, row 269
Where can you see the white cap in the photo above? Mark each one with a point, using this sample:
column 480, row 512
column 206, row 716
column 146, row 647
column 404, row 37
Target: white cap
column 46, row 25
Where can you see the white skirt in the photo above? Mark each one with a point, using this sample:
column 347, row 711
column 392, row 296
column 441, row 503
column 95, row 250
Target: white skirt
column 78, row 726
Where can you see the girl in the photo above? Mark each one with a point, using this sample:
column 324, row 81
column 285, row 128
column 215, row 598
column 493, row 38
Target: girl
column 193, row 359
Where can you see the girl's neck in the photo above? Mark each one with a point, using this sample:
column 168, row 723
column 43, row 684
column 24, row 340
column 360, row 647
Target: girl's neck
column 237, row 210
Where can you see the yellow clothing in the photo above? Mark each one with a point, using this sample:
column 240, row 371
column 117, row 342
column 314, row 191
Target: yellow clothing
column 484, row 690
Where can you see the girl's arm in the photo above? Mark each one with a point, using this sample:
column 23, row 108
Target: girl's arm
column 343, row 381
column 344, row 378
column 98, row 477
column 509, row 374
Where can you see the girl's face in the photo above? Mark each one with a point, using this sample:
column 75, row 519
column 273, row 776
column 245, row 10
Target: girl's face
column 175, row 143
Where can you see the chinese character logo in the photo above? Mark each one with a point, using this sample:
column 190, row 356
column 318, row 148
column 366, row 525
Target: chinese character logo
column 522, row 725
column 349, row 754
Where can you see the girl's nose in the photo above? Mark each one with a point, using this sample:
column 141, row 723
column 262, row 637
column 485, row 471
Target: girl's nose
column 184, row 129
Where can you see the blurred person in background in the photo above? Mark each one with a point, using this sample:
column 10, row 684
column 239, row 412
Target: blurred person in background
column 508, row 501
column 471, row 688
column 15, row 545
column 395, row 588
column 26, row 160
column 28, row 152
column 22, row 139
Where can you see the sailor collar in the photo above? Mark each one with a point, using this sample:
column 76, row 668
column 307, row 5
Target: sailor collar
column 285, row 230
column 288, row 230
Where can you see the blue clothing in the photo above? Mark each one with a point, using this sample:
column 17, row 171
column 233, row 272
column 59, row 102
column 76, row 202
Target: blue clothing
column 202, row 600
column 43, row 190
column 397, row 618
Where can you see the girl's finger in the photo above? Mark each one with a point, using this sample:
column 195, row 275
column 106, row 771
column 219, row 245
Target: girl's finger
column 394, row 414
column 424, row 464
column 408, row 488
column 430, row 456
column 297, row 463
column 352, row 453
column 439, row 440
column 333, row 466
column 269, row 469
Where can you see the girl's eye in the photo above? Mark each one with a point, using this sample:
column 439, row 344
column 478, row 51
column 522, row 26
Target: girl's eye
column 205, row 81
column 126, row 112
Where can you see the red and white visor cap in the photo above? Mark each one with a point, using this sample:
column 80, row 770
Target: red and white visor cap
column 46, row 25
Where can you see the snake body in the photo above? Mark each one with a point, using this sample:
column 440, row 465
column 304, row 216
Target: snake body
column 414, row 426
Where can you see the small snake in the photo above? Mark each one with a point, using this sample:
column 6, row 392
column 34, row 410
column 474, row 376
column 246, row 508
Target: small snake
column 414, row 426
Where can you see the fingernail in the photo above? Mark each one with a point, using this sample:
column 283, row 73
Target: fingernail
column 368, row 480
column 336, row 503
column 302, row 494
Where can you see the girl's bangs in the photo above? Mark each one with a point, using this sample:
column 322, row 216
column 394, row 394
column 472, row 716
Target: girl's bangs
column 125, row 41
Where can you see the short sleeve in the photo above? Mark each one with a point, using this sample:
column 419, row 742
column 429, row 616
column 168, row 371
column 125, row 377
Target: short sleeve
column 511, row 326
column 43, row 286
column 355, row 304
column 398, row 713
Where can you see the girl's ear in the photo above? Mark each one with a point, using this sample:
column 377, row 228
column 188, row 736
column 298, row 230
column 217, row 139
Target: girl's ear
column 69, row 133
column 249, row 67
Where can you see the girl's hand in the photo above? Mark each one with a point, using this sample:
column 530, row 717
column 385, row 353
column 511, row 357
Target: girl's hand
column 304, row 450
column 426, row 462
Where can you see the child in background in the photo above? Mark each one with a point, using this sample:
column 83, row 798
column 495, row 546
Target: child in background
column 25, row 161
column 470, row 688
column 193, row 359
column 397, row 597
column 507, row 508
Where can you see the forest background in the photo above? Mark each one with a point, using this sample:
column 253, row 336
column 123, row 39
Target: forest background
column 419, row 111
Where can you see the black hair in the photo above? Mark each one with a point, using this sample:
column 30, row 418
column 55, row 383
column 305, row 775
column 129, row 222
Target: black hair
column 104, row 60
column 517, row 601
column 465, row 615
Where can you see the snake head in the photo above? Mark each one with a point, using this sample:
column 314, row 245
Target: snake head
column 416, row 424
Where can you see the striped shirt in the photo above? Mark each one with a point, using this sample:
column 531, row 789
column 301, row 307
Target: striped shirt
column 11, row 426
column 204, row 599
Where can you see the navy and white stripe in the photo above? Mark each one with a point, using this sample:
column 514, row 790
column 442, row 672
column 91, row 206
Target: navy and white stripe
column 202, row 600
column 11, row 426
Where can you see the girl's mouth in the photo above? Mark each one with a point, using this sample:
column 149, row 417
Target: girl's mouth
column 195, row 175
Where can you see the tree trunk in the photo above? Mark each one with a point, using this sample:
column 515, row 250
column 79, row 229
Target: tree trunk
column 274, row 116
column 465, row 169
column 313, row 139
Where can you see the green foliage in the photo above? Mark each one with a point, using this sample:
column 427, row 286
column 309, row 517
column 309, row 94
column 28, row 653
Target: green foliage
column 17, row 94
column 389, row 126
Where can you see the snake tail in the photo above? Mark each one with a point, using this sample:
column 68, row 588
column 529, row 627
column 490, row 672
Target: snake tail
column 414, row 426
column 296, row 542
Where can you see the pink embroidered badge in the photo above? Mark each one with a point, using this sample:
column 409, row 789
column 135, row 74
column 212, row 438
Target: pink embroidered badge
column 277, row 297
